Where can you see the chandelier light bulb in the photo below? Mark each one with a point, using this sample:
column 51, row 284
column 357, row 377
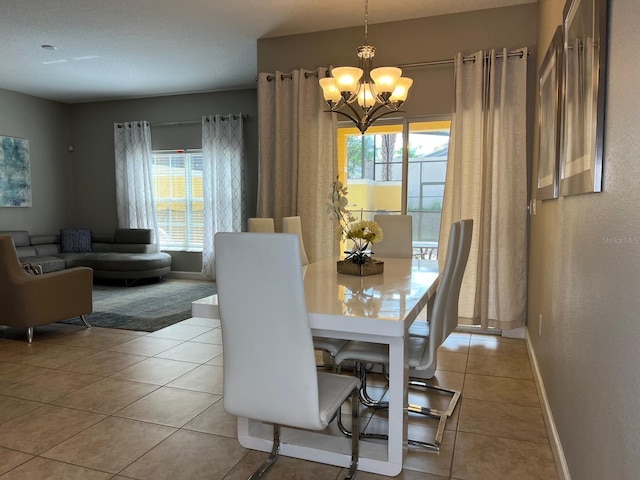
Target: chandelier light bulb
column 385, row 78
column 330, row 89
column 402, row 90
column 347, row 78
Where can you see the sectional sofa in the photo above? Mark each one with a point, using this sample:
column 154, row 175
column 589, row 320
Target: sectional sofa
column 128, row 254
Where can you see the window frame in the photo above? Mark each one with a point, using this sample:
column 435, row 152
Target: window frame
column 188, row 200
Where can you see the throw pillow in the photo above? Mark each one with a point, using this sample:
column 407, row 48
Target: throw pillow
column 75, row 240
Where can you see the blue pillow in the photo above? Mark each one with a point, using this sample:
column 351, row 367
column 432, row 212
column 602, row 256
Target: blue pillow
column 75, row 240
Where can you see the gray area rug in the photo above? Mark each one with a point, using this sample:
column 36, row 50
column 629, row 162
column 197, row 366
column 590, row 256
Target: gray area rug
column 145, row 307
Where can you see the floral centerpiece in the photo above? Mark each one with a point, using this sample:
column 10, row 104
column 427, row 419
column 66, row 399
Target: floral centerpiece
column 362, row 233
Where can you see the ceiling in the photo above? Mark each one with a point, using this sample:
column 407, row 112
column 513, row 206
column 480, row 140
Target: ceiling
column 116, row 49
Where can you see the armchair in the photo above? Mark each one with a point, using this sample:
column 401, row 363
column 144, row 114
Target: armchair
column 31, row 300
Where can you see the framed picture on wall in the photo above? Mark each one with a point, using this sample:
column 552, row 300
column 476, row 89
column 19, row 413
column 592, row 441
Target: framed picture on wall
column 585, row 48
column 549, row 126
column 15, row 172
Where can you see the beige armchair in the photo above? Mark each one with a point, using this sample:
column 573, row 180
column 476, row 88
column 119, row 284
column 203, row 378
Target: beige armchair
column 30, row 300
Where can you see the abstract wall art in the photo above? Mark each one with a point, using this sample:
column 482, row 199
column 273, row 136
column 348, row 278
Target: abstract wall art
column 15, row 172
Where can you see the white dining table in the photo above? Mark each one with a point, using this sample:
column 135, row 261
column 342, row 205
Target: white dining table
column 376, row 308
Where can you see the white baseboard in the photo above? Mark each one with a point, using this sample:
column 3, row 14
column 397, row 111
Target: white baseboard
column 185, row 275
column 554, row 439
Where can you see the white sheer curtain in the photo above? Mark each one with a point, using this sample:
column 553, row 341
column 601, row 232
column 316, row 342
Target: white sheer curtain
column 487, row 181
column 223, row 174
column 134, row 179
column 297, row 156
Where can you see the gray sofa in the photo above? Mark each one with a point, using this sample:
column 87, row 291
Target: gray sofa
column 128, row 254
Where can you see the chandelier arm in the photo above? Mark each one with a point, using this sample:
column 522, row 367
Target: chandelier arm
column 373, row 119
column 350, row 117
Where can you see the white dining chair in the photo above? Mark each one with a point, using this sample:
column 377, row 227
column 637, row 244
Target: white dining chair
column 270, row 370
column 397, row 232
column 422, row 356
column 294, row 225
column 264, row 225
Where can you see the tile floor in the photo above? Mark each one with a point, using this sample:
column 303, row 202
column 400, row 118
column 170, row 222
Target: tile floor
column 114, row 404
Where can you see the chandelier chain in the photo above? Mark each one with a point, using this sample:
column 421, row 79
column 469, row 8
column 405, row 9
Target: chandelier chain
column 366, row 22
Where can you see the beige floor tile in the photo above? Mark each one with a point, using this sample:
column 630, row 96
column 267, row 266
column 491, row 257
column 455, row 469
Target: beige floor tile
column 202, row 456
column 192, row 352
column 492, row 345
column 501, row 389
column 502, row 420
column 179, row 332
column 404, row 475
column 49, row 386
column 212, row 336
column 146, row 345
column 158, row 371
column 10, row 459
column 110, row 445
column 422, row 460
column 456, row 343
column 104, row 363
column 480, row 457
column 40, row 468
column 100, row 339
column 215, row 420
column 205, row 378
column 106, row 396
column 201, row 322
column 11, row 373
column 54, row 356
column 172, row 407
column 500, row 366
column 452, row 361
column 443, row 378
column 285, row 468
column 14, row 407
column 44, row 427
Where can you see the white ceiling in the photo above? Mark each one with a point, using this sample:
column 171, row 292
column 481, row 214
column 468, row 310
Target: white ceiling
column 114, row 49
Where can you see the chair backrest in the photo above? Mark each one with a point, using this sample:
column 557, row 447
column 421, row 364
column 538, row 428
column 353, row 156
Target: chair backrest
column 294, row 225
column 265, row 225
column 269, row 361
column 11, row 271
column 464, row 246
column 438, row 314
column 397, row 233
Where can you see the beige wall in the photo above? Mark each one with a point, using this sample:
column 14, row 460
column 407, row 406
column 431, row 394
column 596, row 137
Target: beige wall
column 585, row 278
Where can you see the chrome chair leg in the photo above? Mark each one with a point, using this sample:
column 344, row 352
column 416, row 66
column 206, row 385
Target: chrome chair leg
column 85, row 321
column 29, row 334
column 275, row 451
column 355, row 439
column 365, row 399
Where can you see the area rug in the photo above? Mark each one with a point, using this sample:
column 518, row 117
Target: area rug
column 145, row 307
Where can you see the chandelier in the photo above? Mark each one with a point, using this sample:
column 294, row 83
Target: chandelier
column 361, row 94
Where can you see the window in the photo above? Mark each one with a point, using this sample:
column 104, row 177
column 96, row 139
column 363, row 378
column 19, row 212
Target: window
column 177, row 187
column 384, row 176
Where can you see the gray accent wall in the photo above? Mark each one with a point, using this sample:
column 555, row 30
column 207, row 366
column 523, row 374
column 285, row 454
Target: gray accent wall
column 45, row 124
column 585, row 277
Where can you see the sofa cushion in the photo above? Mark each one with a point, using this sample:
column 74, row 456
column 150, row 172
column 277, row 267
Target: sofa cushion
column 75, row 240
column 133, row 235
column 48, row 263
column 44, row 239
column 20, row 237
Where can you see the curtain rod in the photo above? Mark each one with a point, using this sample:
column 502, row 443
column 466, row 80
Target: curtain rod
column 189, row 122
column 516, row 53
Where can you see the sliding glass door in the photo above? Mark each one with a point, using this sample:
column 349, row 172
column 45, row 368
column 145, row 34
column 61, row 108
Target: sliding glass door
column 398, row 168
